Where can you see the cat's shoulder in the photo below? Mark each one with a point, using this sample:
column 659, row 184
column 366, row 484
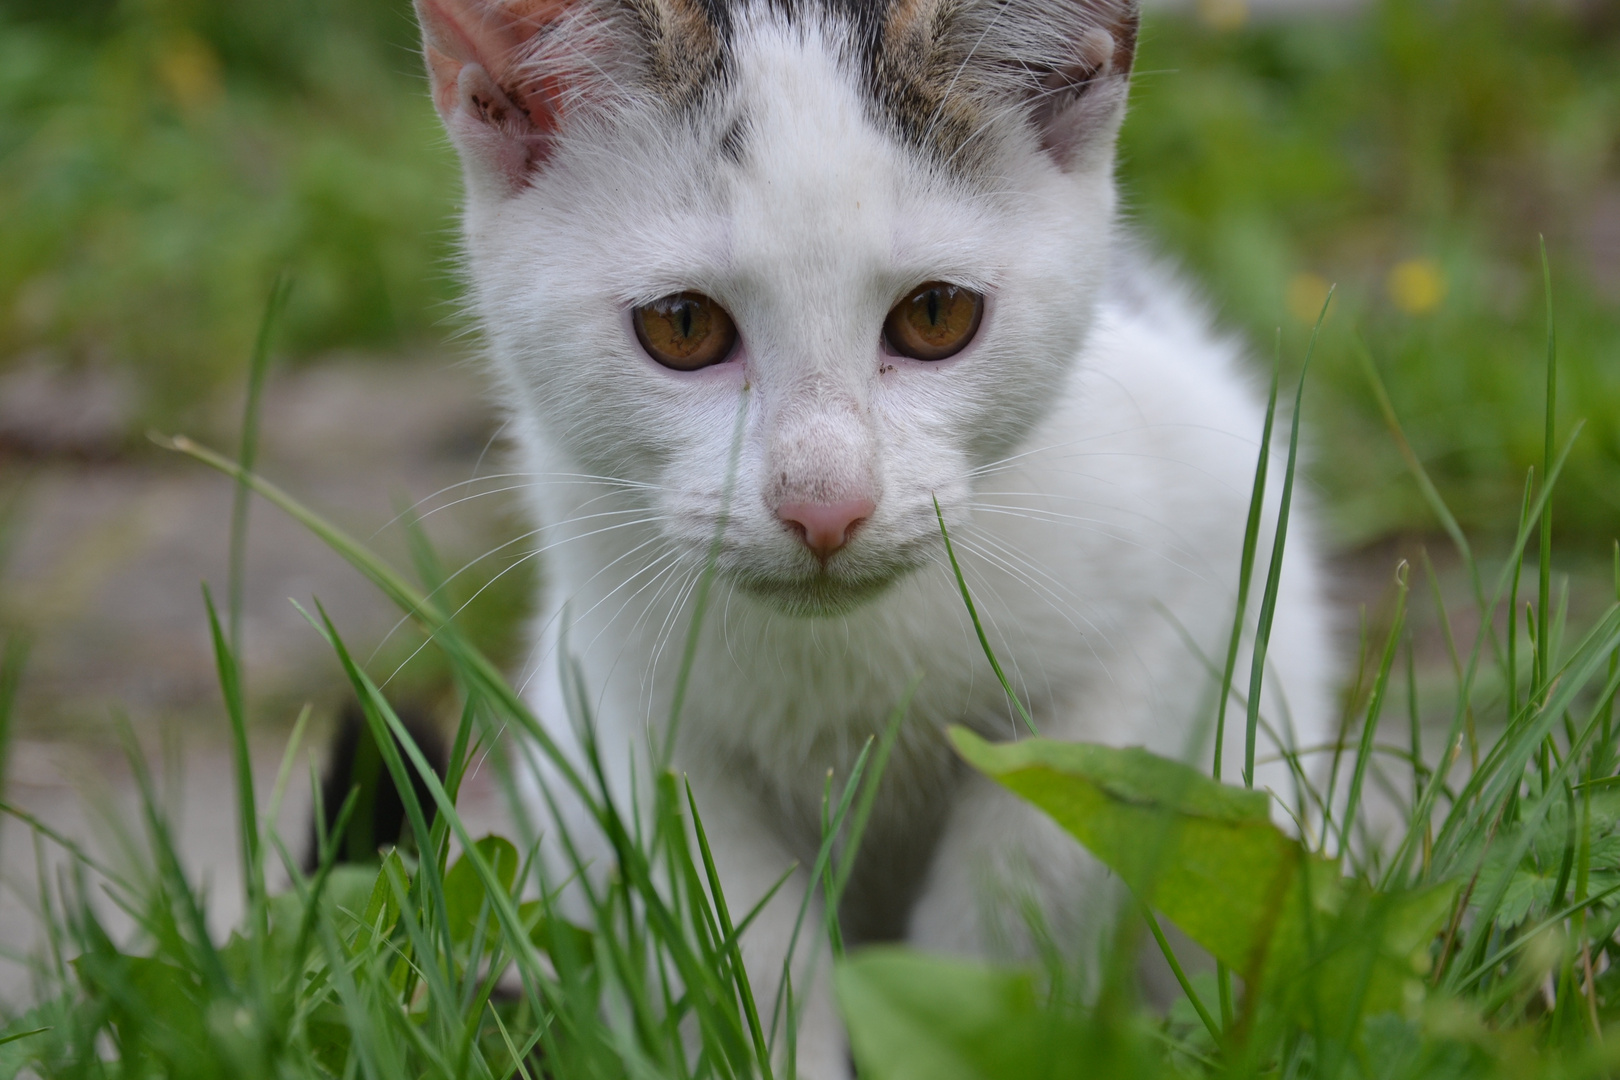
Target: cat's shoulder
column 1157, row 343
column 1174, row 403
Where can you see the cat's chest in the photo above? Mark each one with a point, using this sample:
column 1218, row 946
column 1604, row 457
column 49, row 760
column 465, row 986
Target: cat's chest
column 807, row 694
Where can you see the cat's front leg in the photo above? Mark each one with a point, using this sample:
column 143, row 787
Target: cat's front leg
column 751, row 857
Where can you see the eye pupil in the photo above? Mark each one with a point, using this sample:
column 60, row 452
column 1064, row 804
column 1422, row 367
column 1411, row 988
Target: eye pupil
column 685, row 331
column 937, row 320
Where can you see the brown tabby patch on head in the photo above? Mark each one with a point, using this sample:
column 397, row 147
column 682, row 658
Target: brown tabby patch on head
column 946, row 71
column 684, row 48
column 917, row 74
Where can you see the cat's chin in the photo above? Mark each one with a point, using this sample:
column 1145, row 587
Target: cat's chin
column 817, row 595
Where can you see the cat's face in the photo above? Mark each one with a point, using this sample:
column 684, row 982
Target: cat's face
column 809, row 266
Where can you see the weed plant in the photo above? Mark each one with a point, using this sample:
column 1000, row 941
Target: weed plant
column 1475, row 940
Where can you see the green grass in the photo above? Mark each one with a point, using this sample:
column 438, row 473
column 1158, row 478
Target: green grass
column 1477, row 941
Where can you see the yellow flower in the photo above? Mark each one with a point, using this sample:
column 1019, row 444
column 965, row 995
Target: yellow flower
column 190, row 72
column 1416, row 285
column 1223, row 14
column 1307, row 292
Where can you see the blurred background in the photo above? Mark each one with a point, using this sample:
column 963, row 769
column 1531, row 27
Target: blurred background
column 161, row 161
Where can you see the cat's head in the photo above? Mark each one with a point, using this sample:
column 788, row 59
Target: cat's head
column 877, row 226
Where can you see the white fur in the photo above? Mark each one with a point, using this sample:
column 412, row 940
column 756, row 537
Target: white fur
column 1092, row 454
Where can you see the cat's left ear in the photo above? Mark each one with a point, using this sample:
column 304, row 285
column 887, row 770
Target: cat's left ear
column 952, row 70
column 501, row 113
column 1079, row 97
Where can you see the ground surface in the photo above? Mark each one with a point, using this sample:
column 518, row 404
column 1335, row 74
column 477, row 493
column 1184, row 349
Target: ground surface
column 106, row 557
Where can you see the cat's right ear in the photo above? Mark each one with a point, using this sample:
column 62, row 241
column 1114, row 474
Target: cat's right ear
column 501, row 113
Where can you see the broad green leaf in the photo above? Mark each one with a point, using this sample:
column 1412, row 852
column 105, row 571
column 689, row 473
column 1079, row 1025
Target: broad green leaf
column 464, row 893
column 146, row 996
column 1207, row 855
column 554, row 936
column 918, row 1017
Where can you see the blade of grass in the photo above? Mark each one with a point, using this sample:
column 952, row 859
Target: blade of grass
column 817, row 869
column 700, row 602
column 978, row 627
column 171, row 874
column 1605, row 753
column 431, row 573
column 1479, row 935
column 1444, row 618
column 1414, row 721
column 69, row 845
column 1513, row 601
column 1185, row 983
column 1279, row 541
column 18, row 1036
column 284, row 770
column 247, row 809
column 517, row 1057
column 476, row 669
column 1426, row 486
column 1544, row 580
column 1501, row 771
column 258, row 367
column 13, row 657
column 1527, row 936
column 728, row 933
column 867, row 801
column 1375, row 708
column 1251, row 540
column 1400, row 861
column 386, row 728
column 1341, row 736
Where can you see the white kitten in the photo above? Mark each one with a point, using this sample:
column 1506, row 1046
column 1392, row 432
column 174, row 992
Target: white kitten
column 886, row 231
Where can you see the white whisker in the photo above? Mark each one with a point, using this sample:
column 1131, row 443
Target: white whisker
column 403, row 619
column 554, row 478
column 489, row 443
column 1158, row 551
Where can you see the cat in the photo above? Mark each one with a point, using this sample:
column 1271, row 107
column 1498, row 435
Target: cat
column 811, row 269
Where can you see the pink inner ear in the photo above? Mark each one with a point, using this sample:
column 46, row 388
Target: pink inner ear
column 493, row 35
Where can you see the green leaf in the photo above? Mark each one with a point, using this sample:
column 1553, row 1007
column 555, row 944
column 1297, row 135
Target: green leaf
column 464, row 892
column 1207, row 855
column 563, row 941
column 917, row 1017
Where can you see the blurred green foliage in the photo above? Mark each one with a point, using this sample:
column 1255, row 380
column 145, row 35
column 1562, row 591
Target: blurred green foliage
column 1410, row 151
column 160, row 160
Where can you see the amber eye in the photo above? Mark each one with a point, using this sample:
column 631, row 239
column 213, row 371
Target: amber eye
column 937, row 320
column 685, row 331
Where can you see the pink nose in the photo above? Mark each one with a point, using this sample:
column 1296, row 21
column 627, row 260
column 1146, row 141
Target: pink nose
column 825, row 527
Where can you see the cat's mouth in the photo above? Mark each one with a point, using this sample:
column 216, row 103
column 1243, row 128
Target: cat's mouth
column 818, row 594
column 833, row 588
